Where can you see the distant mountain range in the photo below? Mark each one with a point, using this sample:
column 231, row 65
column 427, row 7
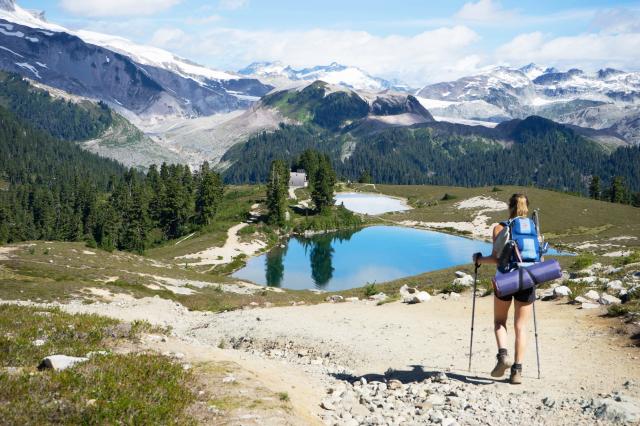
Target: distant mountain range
column 606, row 99
column 147, row 81
column 334, row 73
column 165, row 108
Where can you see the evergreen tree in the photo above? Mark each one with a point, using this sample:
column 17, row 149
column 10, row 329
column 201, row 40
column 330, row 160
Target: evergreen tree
column 277, row 190
column 323, row 189
column 209, row 195
column 618, row 191
column 365, row 177
column 594, row 187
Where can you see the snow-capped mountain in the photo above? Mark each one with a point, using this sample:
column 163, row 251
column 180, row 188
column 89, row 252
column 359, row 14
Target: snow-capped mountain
column 598, row 100
column 145, row 81
column 334, row 73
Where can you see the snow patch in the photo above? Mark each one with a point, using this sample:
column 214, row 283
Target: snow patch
column 11, row 51
column 29, row 67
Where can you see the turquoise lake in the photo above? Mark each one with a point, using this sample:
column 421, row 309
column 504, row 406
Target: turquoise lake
column 351, row 259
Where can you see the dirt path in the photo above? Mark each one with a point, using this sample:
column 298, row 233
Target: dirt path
column 303, row 349
column 232, row 247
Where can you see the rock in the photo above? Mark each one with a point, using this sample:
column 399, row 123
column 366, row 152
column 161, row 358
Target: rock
column 611, row 270
column 626, row 410
column 581, row 299
column 454, row 296
column 615, row 286
column 460, row 274
column 394, row 384
column 466, row 281
column 327, row 404
column 440, row 377
column 380, row 297
column 449, row 421
column 254, row 304
column 588, row 305
column 592, row 295
column 39, row 342
column 412, row 295
column 335, row 298
column 548, row 402
column 229, row 379
column 120, row 331
column 562, row 291
column 60, row 362
column 608, row 299
column 436, row 399
column 547, row 295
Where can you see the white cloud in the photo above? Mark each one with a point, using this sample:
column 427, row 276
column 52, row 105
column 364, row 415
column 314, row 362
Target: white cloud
column 117, row 7
column 617, row 20
column 485, row 11
column 204, row 20
column 232, row 4
column 169, row 37
column 439, row 54
column 589, row 51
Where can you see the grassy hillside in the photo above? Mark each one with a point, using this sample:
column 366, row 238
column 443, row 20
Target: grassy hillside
column 565, row 218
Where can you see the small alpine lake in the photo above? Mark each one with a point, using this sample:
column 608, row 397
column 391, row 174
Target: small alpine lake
column 368, row 203
column 349, row 259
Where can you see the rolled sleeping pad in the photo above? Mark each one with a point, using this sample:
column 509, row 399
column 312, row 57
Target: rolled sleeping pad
column 524, row 278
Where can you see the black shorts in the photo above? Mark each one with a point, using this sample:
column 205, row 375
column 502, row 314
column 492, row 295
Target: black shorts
column 523, row 296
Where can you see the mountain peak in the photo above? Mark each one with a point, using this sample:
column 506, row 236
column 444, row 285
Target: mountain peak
column 8, row 5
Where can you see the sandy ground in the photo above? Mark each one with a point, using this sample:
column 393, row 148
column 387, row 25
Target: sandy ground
column 478, row 227
column 581, row 354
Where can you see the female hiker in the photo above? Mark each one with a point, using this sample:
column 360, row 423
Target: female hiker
column 523, row 300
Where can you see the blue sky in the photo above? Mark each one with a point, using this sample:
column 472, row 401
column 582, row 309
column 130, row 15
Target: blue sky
column 417, row 41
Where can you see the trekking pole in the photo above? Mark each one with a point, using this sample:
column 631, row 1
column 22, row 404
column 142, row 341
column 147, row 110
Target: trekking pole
column 535, row 327
column 536, row 218
column 473, row 313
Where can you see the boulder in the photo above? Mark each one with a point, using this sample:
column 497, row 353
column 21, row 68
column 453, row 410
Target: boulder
column 588, row 305
column 460, row 274
column 60, row 362
column 334, row 298
column 380, row 297
column 615, row 286
column 608, row 299
column 562, row 291
column 466, row 281
column 581, row 299
column 592, row 295
column 412, row 295
column 394, row 384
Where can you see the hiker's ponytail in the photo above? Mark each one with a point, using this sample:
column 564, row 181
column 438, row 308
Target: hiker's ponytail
column 518, row 205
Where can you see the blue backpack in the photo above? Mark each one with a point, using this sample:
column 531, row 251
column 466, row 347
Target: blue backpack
column 522, row 244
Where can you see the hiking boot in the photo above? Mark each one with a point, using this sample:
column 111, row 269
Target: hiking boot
column 516, row 375
column 503, row 365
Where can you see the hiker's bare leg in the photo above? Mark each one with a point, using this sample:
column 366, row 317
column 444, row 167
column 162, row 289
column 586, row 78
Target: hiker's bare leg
column 500, row 315
column 523, row 312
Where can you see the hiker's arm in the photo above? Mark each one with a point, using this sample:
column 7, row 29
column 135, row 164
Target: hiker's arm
column 493, row 259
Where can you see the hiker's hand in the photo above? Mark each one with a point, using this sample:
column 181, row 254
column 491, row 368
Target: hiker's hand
column 476, row 258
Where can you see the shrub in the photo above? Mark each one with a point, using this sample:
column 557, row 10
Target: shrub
column 583, row 261
column 453, row 288
column 633, row 257
column 448, row 197
column 370, row 290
